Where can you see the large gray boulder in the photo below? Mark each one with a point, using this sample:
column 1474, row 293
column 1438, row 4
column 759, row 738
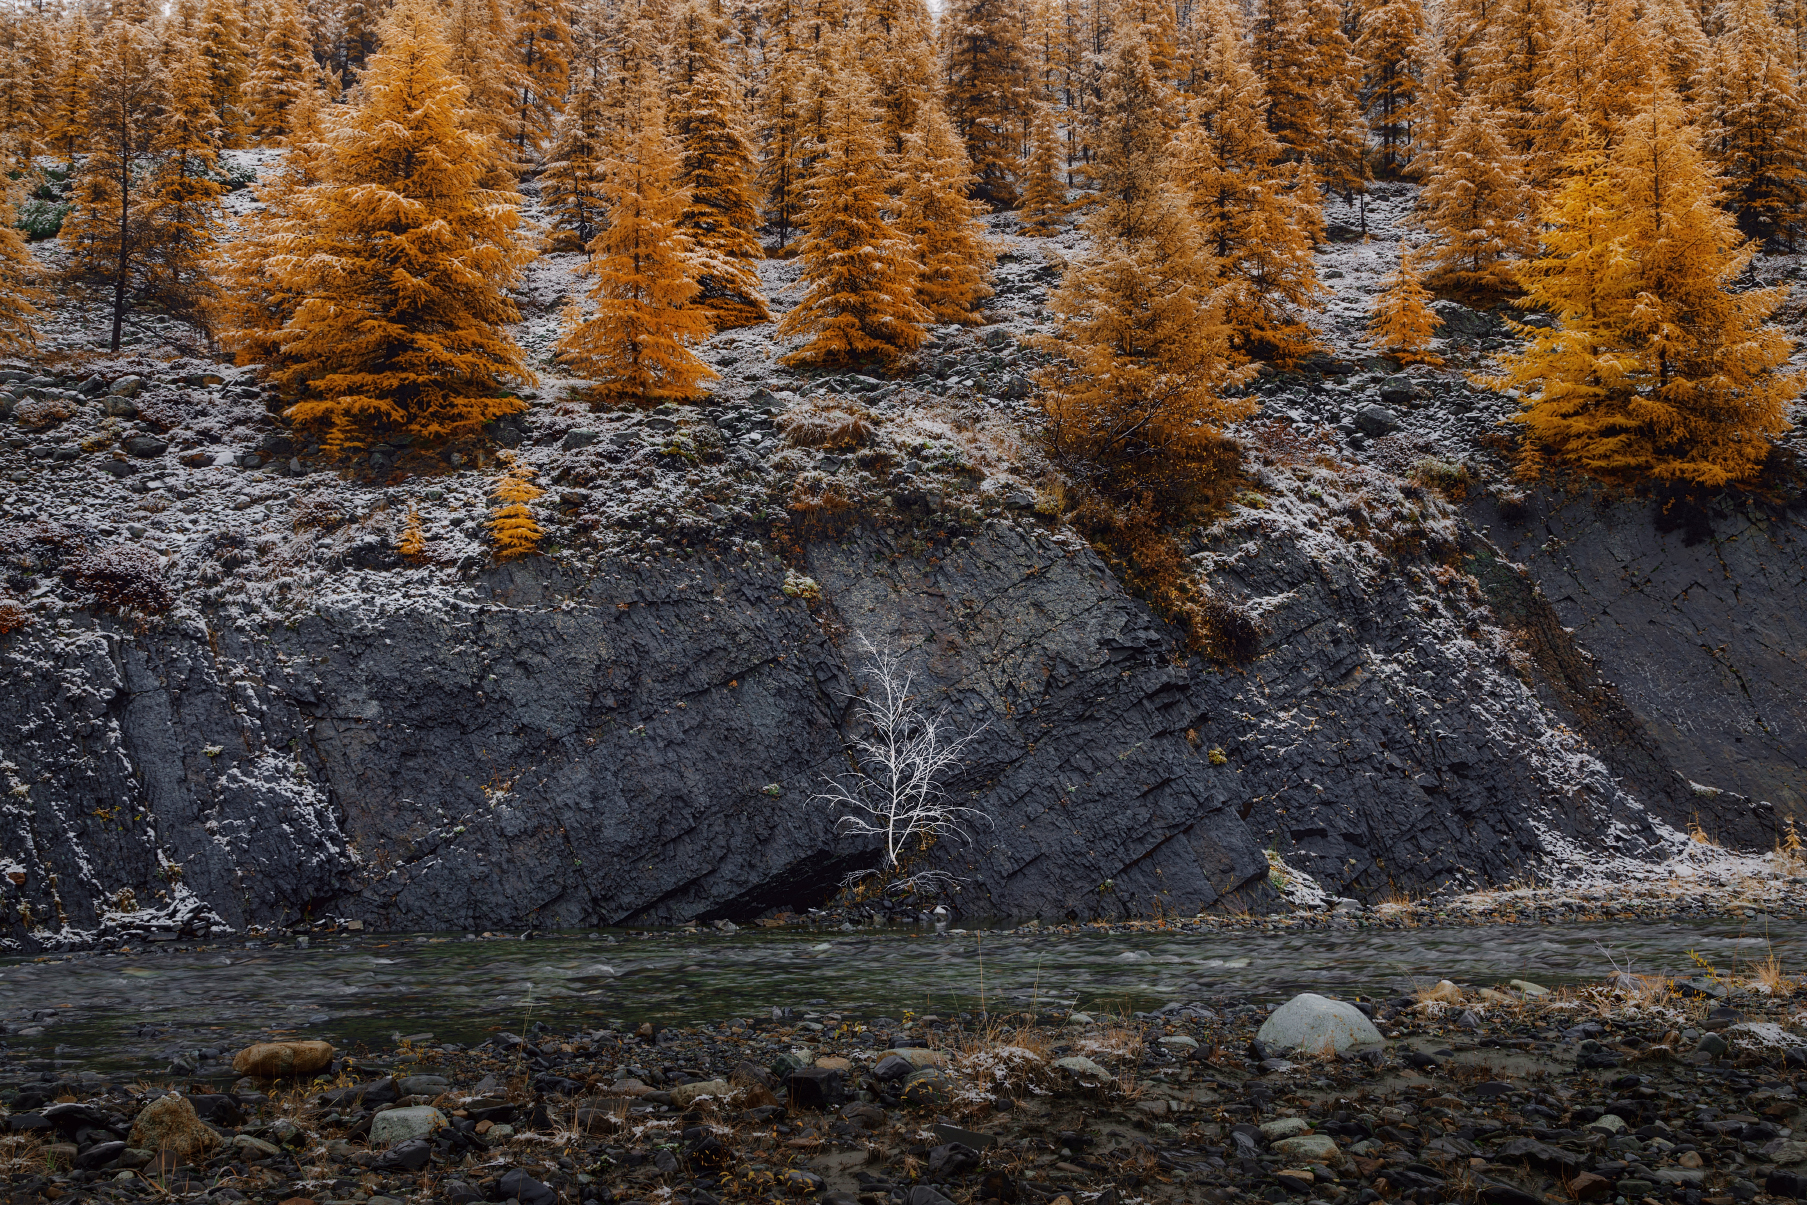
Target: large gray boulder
column 1311, row 1023
column 1376, row 420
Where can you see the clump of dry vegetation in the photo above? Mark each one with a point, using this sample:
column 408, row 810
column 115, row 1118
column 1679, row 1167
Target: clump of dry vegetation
column 827, row 423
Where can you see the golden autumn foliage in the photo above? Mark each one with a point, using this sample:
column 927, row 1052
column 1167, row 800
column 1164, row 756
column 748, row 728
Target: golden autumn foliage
column 1751, row 117
column 106, row 231
column 941, row 220
column 717, row 170
column 400, row 262
column 1257, row 214
column 1402, row 322
column 634, row 335
column 255, row 303
column 1656, row 370
column 1044, row 189
column 572, row 179
column 413, row 543
column 1134, row 405
column 511, row 525
column 477, row 35
column 1475, row 202
column 19, row 290
column 859, row 271
column 180, row 207
column 285, row 71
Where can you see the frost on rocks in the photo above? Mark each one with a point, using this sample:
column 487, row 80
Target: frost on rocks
column 1392, row 729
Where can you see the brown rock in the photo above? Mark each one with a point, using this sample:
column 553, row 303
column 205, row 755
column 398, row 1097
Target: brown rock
column 1587, row 1186
column 169, row 1124
column 283, row 1060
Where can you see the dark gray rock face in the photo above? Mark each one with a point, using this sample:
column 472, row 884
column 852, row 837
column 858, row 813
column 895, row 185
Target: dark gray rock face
column 1695, row 614
column 643, row 745
column 1417, row 717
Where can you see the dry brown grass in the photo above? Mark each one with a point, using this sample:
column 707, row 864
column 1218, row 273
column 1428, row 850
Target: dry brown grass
column 39, row 413
column 320, row 511
column 1440, row 992
column 827, row 423
column 1766, row 975
column 1001, row 1059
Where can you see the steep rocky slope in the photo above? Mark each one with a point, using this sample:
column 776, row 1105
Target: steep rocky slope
column 1694, row 612
column 631, row 727
column 639, row 741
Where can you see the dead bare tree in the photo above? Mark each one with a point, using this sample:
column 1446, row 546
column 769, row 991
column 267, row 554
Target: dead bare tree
column 899, row 757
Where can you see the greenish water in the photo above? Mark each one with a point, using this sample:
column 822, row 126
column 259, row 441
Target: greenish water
column 132, row 1013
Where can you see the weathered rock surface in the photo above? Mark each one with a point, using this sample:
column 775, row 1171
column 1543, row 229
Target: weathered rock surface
column 283, row 1060
column 642, row 745
column 399, row 1125
column 1692, row 614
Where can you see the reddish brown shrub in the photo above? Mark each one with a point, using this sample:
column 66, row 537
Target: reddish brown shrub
column 12, row 617
column 119, row 577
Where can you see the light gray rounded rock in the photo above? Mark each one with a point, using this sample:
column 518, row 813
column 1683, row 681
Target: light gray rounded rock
column 1313, row 1023
column 398, row 1125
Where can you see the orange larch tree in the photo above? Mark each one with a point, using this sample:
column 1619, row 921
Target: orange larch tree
column 859, row 271
column 401, row 262
column 939, row 216
column 633, row 336
column 1658, row 369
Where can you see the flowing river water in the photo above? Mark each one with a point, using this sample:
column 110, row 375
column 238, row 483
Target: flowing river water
column 136, row 1013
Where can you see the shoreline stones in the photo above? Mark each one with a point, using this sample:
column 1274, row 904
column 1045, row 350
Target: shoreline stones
column 394, row 1126
column 1315, row 1024
column 170, row 1124
column 283, row 1060
column 1507, row 1113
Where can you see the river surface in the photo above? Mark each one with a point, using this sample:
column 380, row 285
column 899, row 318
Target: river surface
column 135, row 1013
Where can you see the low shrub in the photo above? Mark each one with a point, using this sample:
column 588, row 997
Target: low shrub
column 35, row 414
column 13, row 616
column 831, row 427
column 325, row 513
column 41, row 219
column 119, row 577
column 1450, row 480
column 820, row 507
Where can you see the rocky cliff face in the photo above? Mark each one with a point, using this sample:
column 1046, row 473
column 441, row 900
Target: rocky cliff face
column 641, row 743
column 1694, row 613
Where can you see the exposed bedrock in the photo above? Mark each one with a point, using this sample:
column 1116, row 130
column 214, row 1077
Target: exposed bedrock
column 1695, row 614
column 642, row 745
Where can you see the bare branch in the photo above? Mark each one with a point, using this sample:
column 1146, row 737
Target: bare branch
column 899, row 757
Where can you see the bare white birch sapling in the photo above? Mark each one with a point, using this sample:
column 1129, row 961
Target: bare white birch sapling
column 899, row 756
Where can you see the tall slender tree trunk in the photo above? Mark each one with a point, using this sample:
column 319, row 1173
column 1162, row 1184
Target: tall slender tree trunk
column 119, row 271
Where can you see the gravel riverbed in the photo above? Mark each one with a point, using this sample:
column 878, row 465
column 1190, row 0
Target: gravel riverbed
column 1508, row 1094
